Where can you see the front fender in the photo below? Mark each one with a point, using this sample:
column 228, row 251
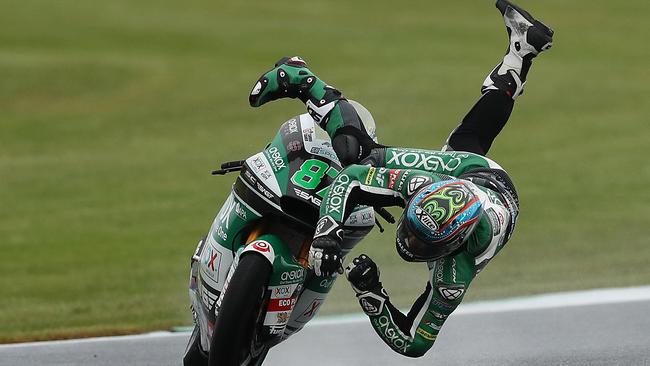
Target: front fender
column 262, row 247
column 285, row 285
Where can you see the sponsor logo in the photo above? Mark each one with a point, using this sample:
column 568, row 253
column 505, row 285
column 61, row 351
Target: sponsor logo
column 403, row 248
column 276, row 329
column 325, row 225
column 324, row 152
column 425, row 334
column 371, row 173
column 443, row 305
column 291, row 126
column 426, row 219
column 453, row 270
column 431, row 324
column 212, row 258
column 257, row 185
column 258, row 163
column 239, row 210
column 250, row 177
column 493, row 197
column 391, row 335
column 226, row 212
column 365, row 217
column 276, row 159
column 307, row 135
column 282, row 292
column 294, row 146
column 438, row 315
column 368, row 307
column 335, row 199
column 392, row 178
column 282, row 317
column 281, row 304
column 292, row 275
column 402, row 180
column 312, row 309
column 221, row 233
column 326, row 283
column 424, row 161
column 261, row 246
column 451, row 293
column 416, row 183
column 307, row 196
column 439, row 270
column 494, row 221
column 379, row 177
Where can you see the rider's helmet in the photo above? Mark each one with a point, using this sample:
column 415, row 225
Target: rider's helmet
column 366, row 119
column 437, row 220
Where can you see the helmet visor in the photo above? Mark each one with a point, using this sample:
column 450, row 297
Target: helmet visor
column 413, row 249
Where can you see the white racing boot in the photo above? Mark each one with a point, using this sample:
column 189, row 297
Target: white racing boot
column 528, row 38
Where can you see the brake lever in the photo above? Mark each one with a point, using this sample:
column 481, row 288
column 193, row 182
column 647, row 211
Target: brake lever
column 385, row 215
column 229, row 167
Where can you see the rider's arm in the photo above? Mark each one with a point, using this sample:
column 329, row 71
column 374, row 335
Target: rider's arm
column 292, row 79
column 367, row 185
column 412, row 334
column 358, row 185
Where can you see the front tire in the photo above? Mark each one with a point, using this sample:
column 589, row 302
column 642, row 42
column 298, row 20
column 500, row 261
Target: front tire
column 240, row 311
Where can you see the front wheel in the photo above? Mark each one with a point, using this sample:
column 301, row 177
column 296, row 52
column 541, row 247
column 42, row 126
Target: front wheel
column 240, row 311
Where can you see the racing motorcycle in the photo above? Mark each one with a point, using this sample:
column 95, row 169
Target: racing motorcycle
column 250, row 283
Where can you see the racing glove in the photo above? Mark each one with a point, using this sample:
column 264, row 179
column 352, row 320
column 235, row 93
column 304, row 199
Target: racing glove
column 325, row 256
column 363, row 275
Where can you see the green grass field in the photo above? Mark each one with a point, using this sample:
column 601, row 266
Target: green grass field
column 112, row 114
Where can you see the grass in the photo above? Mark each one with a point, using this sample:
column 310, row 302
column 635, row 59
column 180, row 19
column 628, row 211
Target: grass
column 113, row 113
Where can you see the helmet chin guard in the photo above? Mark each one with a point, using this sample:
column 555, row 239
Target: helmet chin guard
column 437, row 221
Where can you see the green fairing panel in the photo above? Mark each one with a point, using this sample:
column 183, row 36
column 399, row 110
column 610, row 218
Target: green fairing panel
column 228, row 227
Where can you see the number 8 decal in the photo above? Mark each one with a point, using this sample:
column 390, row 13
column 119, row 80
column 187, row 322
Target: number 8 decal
column 311, row 173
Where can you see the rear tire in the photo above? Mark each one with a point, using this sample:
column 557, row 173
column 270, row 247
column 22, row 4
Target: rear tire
column 240, row 311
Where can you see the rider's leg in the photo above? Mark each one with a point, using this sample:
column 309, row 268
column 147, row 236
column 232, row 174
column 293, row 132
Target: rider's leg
column 527, row 38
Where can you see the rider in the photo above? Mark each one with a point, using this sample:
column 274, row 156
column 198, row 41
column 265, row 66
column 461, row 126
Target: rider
column 461, row 207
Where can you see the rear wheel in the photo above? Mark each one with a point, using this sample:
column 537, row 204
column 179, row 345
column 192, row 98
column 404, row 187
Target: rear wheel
column 240, row 311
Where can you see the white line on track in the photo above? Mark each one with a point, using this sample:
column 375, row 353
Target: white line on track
column 546, row 301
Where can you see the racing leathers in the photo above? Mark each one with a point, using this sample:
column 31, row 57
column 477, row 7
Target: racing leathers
column 394, row 176
column 290, row 78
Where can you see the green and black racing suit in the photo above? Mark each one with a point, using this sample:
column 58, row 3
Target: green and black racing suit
column 394, row 176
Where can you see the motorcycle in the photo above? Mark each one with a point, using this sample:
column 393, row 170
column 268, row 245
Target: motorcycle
column 250, row 283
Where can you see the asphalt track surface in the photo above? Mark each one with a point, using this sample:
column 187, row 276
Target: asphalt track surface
column 564, row 332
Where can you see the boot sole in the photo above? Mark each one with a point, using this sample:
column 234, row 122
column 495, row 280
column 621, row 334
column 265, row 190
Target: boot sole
column 503, row 5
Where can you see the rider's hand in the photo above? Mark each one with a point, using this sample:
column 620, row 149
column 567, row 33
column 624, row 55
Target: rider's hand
column 363, row 274
column 325, row 256
column 289, row 78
